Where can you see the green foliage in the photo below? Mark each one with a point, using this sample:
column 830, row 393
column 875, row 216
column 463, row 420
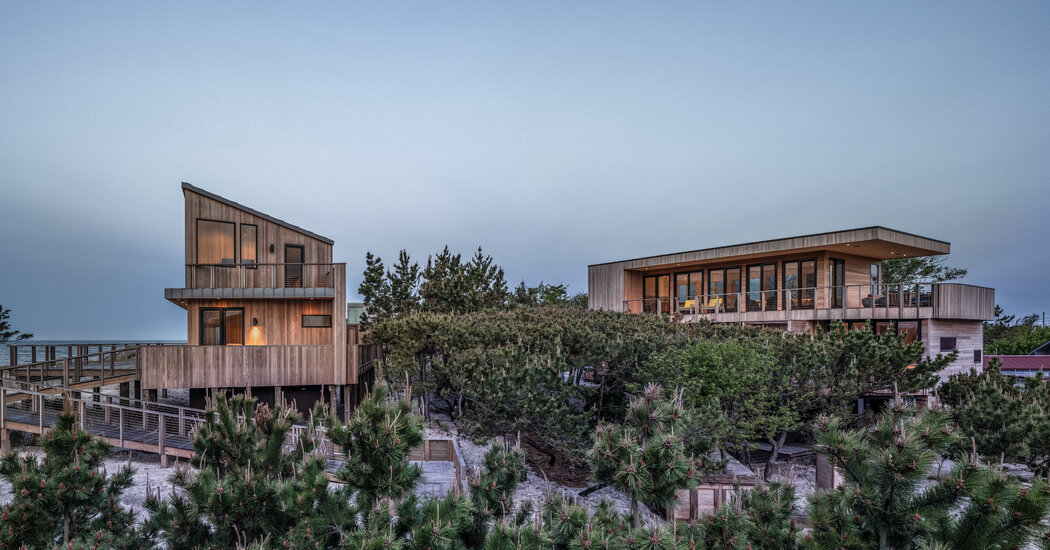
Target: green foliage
column 376, row 443
column 924, row 269
column 375, row 290
column 1007, row 335
column 249, row 485
column 8, row 334
column 884, row 504
column 768, row 509
column 67, row 497
column 645, row 456
column 1006, row 421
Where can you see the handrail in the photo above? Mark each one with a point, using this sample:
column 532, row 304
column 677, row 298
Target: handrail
column 852, row 296
column 264, row 275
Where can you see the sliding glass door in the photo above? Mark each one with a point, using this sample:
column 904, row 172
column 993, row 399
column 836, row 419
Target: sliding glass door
column 656, row 291
column 762, row 287
column 800, row 280
column 688, row 289
column 723, row 284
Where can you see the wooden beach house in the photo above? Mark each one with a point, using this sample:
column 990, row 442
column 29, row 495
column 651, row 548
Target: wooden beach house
column 801, row 283
column 265, row 309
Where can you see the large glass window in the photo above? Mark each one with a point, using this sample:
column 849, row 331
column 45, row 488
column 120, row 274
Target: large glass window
column 249, row 243
column 800, row 280
column 688, row 289
column 762, row 287
column 656, row 289
column 875, row 280
column 222, row 326
column 215, row 242
column 723, row 284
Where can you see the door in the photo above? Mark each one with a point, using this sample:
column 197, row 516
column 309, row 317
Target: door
column 656, row 291
column 838, row 282
column 293, row 266
column 762, row 287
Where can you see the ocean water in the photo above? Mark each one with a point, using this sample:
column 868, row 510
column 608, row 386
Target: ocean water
column 25, row 350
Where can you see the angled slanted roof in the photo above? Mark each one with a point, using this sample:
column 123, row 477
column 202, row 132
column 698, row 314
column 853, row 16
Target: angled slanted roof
column 1043, row 349
column 875, row 242
column 256, row 213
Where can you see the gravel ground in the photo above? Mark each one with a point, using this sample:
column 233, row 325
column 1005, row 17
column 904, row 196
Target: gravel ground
column 535, row 487
column 148, row 473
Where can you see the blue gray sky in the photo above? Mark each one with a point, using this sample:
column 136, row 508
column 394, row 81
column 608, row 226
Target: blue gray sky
column 553, row 134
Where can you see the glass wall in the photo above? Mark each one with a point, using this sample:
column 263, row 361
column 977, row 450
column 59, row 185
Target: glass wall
column 688, row 289
column 723, row 284
column 762, row 287
column 838, row 282
column 800, row 281
column 656, row 291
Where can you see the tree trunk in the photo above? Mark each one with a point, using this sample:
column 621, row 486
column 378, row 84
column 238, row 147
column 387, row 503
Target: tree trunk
column 777, row 443
column 635, row 520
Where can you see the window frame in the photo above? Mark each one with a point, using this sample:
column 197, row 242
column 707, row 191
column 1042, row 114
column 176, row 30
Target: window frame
column 798, row 288
column 222, row 326
column 322, row 315
column 954, row 344
column 197, row 241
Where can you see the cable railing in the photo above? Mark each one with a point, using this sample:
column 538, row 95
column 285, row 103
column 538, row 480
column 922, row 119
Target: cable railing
column 99, row 368
column 899, row 296
column 290, row 275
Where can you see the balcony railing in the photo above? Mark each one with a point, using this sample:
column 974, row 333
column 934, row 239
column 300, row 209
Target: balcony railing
column 944, row 300
column 304, row 275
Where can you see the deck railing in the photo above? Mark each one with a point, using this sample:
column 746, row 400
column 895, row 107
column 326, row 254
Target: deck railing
column 99, row 368
column 912, row 299
column 33, row 352
column 304, row 275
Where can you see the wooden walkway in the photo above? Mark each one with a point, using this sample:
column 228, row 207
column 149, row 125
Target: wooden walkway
column 32, row 396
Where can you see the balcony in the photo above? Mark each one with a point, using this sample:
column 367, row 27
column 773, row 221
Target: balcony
column 887, row 301
column 248, row 281
column 240, row 366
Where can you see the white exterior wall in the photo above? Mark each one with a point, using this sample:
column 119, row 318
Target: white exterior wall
column 969, row 337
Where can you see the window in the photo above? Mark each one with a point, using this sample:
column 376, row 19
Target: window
column 875, row 280
column 249, row 244
column 317, row 321
column 838, row 282
column 762, row 287
column 222, row 326
column 947, row 343
column 800, row 281
column 656, row 293
column 215, row 242
column 976, row 356
column 688, row 286
column 724, row 283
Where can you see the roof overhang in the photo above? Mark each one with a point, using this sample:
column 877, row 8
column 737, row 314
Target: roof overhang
column 181, row 296
column 877, row 243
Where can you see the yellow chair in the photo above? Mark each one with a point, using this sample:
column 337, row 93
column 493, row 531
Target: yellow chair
column 714, row 305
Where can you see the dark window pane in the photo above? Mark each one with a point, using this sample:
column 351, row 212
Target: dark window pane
column 947, row 343
column 317, row 321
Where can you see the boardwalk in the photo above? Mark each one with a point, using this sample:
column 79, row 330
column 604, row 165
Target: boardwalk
column 33, row 395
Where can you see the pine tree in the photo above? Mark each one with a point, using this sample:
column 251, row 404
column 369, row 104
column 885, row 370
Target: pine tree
column 376, row 443
column 375, row 290
column 883, row 503
column 645, row 457
column 250, row 485
column 404, row 284
column 67, row 497
column 8, row 334
column 769, row 508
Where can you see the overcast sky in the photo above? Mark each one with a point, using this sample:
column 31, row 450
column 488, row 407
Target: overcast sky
column 554, row 135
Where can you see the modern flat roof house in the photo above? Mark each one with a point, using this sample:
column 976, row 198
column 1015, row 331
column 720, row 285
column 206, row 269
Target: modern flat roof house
column 265, row 309
column 800, row 283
